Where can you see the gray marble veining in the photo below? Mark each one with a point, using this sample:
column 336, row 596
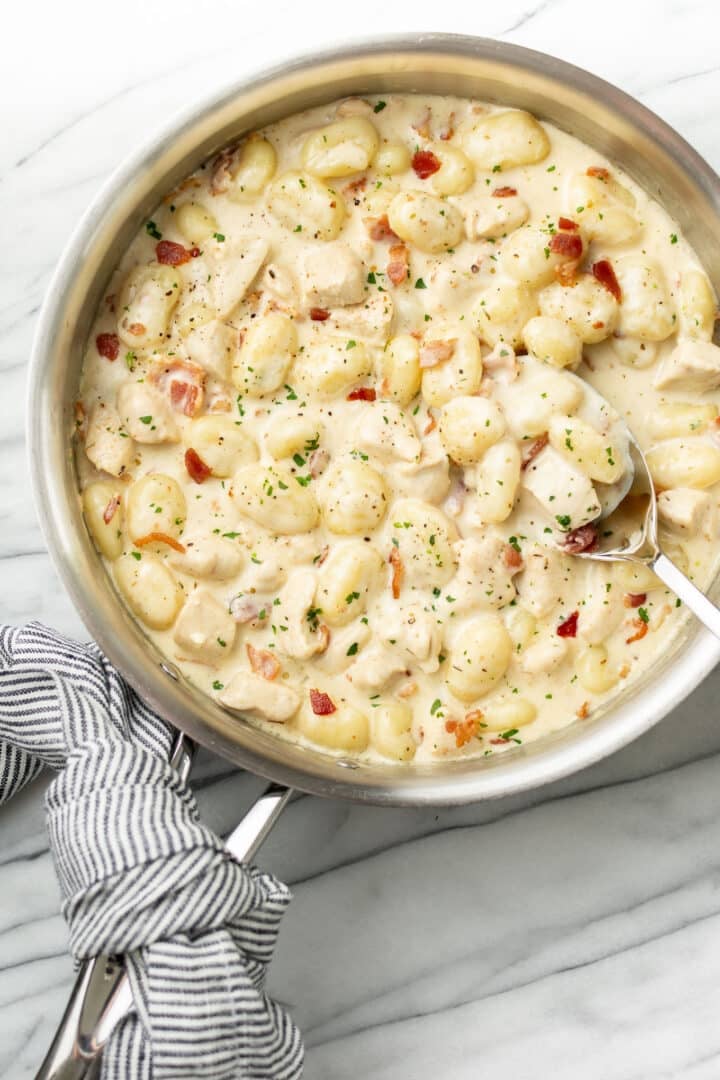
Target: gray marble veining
column 571, row 932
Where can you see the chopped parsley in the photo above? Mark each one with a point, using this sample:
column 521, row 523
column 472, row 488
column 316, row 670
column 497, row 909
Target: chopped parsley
column 353, row 649
column 152, row 230
column 380, row 106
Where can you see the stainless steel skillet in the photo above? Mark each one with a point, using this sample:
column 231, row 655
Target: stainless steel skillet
column 593, row 110
column 576, row 101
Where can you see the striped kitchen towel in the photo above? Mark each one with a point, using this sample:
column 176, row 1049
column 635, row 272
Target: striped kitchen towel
column 139, row 873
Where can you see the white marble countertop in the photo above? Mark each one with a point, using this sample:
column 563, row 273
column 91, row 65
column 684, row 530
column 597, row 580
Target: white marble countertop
column 570, row 933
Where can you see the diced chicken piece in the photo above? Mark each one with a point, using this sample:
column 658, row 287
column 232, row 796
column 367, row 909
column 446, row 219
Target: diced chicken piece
column 483, row 580
column 375, row 667
column 209, row 557
column 205, row 628
column 383, row 428
column 428, row 478
column 492, row 216
column 686, row 510
column 108, row 444
column 257, row 697
column 369, row 322
column 544, row 656
column 232, row 268
column 692, row 365
column 336, row 659
column 332, row 276
column 416, row 632
column 541, row 583
column 146, row 413
column 212, row 346
column 566, row 494
column 603, row 608
column 304, row 637
column 279, row 282
column 265, row 572
column 182, row 383
column 450, row 284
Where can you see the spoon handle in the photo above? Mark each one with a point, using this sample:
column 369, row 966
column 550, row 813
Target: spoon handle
column 698, row 602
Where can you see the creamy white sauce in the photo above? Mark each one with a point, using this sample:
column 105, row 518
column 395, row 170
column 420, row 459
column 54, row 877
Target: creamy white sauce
column 394, row 649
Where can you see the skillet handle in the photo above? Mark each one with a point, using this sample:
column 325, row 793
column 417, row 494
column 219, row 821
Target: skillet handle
column 102, row 997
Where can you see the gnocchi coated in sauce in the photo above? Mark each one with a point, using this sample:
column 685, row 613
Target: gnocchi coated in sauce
column 331, row 444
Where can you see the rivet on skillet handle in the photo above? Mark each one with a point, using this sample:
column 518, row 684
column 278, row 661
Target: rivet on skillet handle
column 101, row 997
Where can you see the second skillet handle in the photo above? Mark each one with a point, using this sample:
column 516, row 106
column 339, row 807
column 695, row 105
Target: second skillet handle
column 101, row 996
column 697, row 601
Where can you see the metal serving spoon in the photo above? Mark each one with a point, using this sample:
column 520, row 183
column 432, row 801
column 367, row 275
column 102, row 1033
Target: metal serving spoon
column 642, row 546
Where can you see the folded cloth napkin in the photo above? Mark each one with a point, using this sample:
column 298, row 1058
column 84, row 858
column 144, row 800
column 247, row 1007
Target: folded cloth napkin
column 139, row 874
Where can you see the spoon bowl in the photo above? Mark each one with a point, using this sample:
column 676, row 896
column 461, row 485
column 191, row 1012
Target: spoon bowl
column 641, row 545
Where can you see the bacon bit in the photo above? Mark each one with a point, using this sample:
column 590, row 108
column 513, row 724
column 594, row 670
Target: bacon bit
column 196, row 467
column 195, row 252
column 263, row 662
column 431, row 424
column 243, row 609
column 422, row 124
column 598, row 325
column 80, row 420
column 425, row 163
column 221, row 175
column 512, row 557
column 464, row 730
column 599, row 171
column 109, row 511
column 108, row 345
column 160, row 538
column 395, row 561
column 321, row 704
column 566, row 273
column 137, row 329
column 641, row 629
column 398, row 265
column 448, row 129
column 504, row 192
column 436, row 352
column 624, row 671
column 604, row 273
column 407, row 689
column 319, row 314
column 633, row 600
column 534, row 449
column 379, row 228
column 183, row 397
column 569, row 245
column 362, row 393
column 499, row 741
column 584, row 538
column 583, row 711
column 318, row 462
column 186, row 394
column 356, row 185
column 568, row 224
column 568, row 628
column 169, row 253
column 110, row 301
